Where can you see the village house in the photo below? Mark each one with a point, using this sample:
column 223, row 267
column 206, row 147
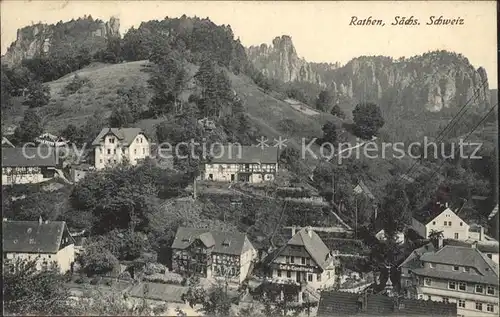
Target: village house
column 213, row 254
column 439, row 217
column 304, row 260
column 487, row 247
column 79, row 171
column 116, row 145
column 336, row 303
column 242, row 163
column 455, row 274
column 44, row 241
column 27, row 165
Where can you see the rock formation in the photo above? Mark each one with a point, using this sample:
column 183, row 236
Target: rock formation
column 41, row 38
column 433, row 81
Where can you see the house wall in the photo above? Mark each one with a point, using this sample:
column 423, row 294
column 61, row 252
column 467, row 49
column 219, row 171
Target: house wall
column 492, row 256
column 227, row 172
column 458, row 230
column 311, row 273
column 440, row 289
column 246, row 259
column 111, row 151
column 63, row 258
column 418, row 227
column 25, row 175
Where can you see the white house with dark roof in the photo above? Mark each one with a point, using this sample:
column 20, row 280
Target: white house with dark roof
column 455, row 274
column 45, row 241
column 242, row 163
column 439, row 217
column 115, row 145
column 303, row 260
column 213, row 254
column 27, row 165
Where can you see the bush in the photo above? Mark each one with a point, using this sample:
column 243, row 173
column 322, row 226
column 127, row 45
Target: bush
column 95, row 281
column 168, row 278
column 109, row 282
column 82, row 280
column 76, row 84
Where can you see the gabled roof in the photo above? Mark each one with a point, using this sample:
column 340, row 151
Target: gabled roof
column 244, row 154
column 362, row 188
column 430, row 212
column 28, row 157
column 125, row 135
column 6, row 142
column 32, row 236
column 463, row 256
column 335, row 303
column 483, row 246
column 313, row 244
column 417, row 253
column 234, row 243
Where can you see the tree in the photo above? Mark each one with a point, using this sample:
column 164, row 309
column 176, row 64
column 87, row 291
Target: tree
column 336, row 111
column 28, row 291
column 395, row 213
column 97, row 260
column 38, row 95
column 367, row 119
column 435, row 236
column 121, row 117
column 29, row 128
column 330, row 133
column 324, row 101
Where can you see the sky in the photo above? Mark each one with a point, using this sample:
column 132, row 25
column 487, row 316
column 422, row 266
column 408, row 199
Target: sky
column 320, row 31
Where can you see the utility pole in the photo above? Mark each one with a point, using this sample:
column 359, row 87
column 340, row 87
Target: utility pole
column 356, row 223
column 194, row 188
column 333, row 188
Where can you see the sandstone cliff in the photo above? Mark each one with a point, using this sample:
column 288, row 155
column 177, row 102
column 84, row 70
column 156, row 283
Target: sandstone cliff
column 41, row 38
column 433, row 81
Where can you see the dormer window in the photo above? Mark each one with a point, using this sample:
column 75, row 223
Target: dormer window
column 226, row 243
column 456, row 268
column 186, row 239
column 32, row 241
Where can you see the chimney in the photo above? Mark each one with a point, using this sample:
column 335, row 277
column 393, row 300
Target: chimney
column 446, row 204
column 481, row 233
column 440, row 242
column 293, row 230
column 474, row 245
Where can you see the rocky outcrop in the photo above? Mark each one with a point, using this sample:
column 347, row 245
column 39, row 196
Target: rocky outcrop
column 433, row 81
column 31, row 41
column 280, row 61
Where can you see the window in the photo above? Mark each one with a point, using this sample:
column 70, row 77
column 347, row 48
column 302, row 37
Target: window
column 109, row 151
column 479, row 289
column 135, row 151
column 287, row 259
column 143, row 151
column 490, row 290
column 292, row 259
column 479, row 306
column 309, row 277
column 449, row 223
column 466, row 269
column 452, row 285
column 427, row 281
column 456, row 235
column 100, row 161
column 461, row 303
column 288, row 273
column 279, row 273
column 489, row 255
column 446, row 300
column 462, row 286
column 445, row 223
column 429, row 297
column 461, row 224
column 431, row 265
column 114, row 151
column 318, row 277
column 303, row 260
column 111, row 140
column 456, row 268
column 489, row 307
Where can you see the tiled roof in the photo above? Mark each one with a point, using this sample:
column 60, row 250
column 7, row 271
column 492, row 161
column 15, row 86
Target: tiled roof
column 28, row 157
column 32, row 236
column 233, row 243
column 429, row 247
column 125, row 135
column 334, row 303
column 6, row 142
column 464, row 256
column 247, row 154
